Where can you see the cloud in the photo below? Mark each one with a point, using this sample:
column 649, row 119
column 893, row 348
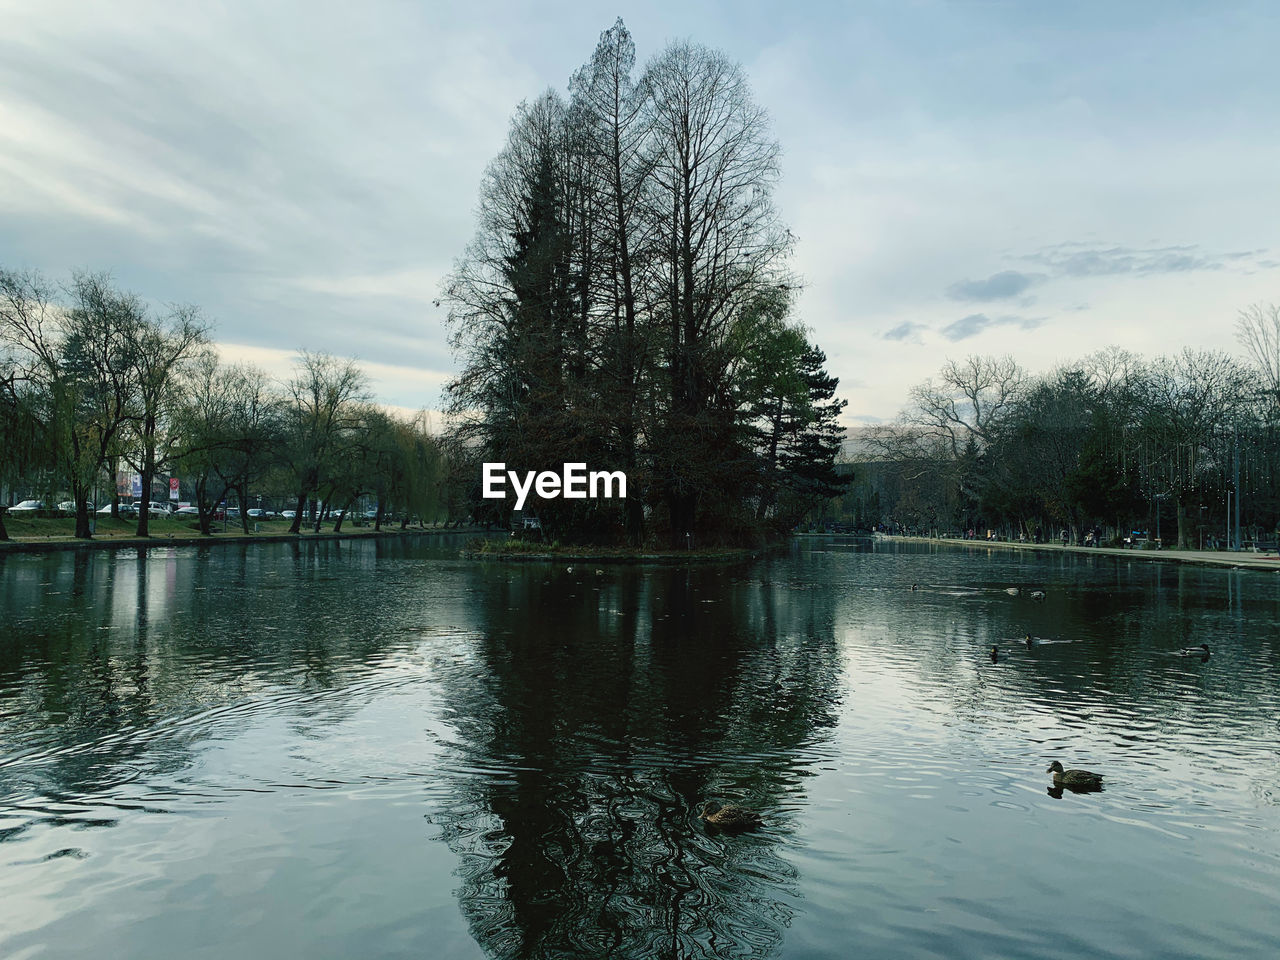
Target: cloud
column 999, row 286
column 976, row 323
column 905, row 331
column 1074, row 259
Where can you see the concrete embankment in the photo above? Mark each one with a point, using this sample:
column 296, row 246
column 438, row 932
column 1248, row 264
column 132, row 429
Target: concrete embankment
column 1209, row 558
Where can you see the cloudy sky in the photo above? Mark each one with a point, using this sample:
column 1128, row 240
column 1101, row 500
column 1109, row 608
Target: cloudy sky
column 964, row 177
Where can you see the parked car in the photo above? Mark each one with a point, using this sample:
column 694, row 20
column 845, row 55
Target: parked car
column 29, row 507
column 188, row 512
column 288, row 514
column 68, row 508
column 126, row 510
column 256, row 513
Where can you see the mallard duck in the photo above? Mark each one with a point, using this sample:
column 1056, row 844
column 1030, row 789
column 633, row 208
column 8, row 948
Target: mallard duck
column 915, row 587
column 995, row 654
column 729, row 817
column 1037, row 594
column 1028, row 641
column 1074, row 778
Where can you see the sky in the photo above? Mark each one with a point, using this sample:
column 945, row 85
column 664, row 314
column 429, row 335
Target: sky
column 1041, row 180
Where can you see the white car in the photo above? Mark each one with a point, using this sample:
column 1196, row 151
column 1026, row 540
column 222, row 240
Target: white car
column 28, row 506
column 188, row 512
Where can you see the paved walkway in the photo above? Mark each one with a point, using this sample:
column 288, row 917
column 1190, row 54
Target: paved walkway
column 1213, row 558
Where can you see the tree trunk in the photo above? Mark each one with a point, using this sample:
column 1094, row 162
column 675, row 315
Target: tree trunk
column 144, row 511
column 343, row 513
column 1184, row 533
column 296, row 526
column 113, row 465
column 82, row 512
column 242, row 493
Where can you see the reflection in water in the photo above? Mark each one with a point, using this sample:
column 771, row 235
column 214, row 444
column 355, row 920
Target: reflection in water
column 600, row 730
column 376, row 749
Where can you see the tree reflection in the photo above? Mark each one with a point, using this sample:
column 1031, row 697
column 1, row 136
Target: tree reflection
column 602, row 712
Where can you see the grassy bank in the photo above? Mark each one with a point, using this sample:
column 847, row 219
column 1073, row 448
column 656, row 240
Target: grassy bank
column 507, row 549
column 58, row 533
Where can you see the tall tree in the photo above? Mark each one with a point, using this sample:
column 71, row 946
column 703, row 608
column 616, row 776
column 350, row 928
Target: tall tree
column 613, row 122
column 81, row 361
column 160, row 349
column 320, row 400
column 1190, row 402
column 717, row 243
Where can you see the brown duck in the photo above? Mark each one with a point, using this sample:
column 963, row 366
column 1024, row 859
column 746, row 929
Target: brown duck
column 1074, row 778
column 729, row 817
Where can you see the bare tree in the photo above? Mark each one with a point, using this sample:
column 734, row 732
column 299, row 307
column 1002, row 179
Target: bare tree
column 204, row 423
column 1188, row 402
column 320, row 401
column 79, row 357
column 610, row 112
column 969, row 400
column 252, row 435
column 716, row 241
column 1258, row 330
column 159, row 349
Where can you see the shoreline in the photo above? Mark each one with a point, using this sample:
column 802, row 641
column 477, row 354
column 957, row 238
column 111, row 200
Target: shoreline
column 660, row 557
column 52, row 545
column 1203, row 558
column 615, row 556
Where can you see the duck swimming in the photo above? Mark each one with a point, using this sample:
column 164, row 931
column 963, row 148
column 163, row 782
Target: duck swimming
column 995, row 654
column 1076, row 779
column 1028, row 641
column 730, row 817
column 1201, row 651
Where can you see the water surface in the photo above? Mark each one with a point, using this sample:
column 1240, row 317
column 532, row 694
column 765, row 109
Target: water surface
column 376, row 749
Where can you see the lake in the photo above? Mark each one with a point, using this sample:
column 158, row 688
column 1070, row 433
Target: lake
column 377, row 749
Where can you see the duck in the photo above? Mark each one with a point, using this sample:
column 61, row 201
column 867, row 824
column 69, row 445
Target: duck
column 1201, row 651
column 1037, row 594
column 995, row 654
column 729, row 817
column 915, row 587
column 1028, row 641
column 1079, row 779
